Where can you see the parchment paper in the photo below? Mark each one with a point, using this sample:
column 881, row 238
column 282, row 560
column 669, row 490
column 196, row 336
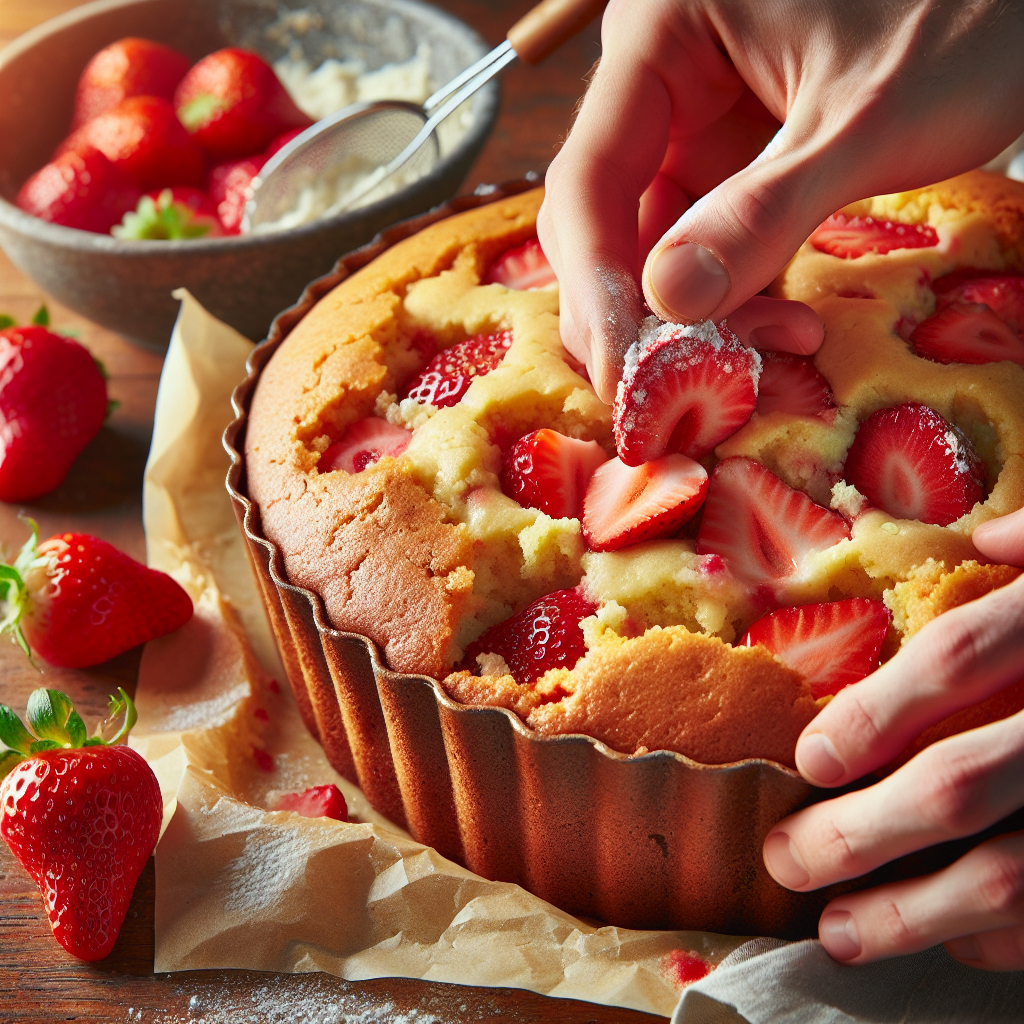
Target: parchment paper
column 240, row 885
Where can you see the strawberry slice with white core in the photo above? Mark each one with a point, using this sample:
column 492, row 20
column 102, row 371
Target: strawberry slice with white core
column 628, row 504
column 549, row 471
column 967, row 333
column 850, row 237
column 364, row 443
column 1003, row 293
column 524, row 267
column 544, row 635
column 684, row 389
column 791, row 384
column 763, row 528
column 831, row 645
column 909, row 462
column 446, row 378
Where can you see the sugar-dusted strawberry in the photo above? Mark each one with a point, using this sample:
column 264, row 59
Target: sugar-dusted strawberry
column 963, row 332
column 544, row 635
column 364, row 443
column 909, row 462
column 81, row 190
column 524, row 267
column 628, row 504
column 850, row 237
column 129, row 67
column 316, row 802
column 233, row 105
column 179, row 212
column 77, row 601
column 791, row 384
column 831, row 645
column 144, row 138
column 1001, row 291
column 684, row 389
column 81, row 815
column 446, row 378
column 53, row 401
column 763, row 528
column 549, row 471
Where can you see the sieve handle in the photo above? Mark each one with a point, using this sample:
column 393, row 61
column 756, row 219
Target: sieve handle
column 542, row 30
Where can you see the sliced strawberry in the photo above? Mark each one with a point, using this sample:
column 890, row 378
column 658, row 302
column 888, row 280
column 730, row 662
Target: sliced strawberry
column 1003, row 293
column 792, row 385
column 448, row 375
column 684, row 389
column 850, row 237
column 544, row 635
column 316, row 802
column 909, row 462
column 763, row 528
column 523, row 267
column 831, row 645
column 964, row 332
column 550, row 471
column 628, row 504
column 364, row 443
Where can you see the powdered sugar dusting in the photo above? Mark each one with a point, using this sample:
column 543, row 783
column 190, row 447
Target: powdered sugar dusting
column 652, row 331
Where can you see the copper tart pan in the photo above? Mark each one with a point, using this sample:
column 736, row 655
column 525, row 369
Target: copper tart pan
column 643, row 841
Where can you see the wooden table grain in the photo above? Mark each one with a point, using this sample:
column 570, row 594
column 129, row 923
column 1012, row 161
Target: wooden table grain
column 39, row 982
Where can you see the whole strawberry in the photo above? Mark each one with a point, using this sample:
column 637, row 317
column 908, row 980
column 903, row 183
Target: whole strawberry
column 81, row 815
column 179, row 212
column 76, row 600
column 233, row 105
column 53, row 401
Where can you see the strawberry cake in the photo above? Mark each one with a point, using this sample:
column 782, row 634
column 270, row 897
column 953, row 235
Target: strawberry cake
column 698, row 568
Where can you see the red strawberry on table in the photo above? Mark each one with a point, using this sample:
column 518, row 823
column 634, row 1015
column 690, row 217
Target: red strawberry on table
column 963, row 332
column 316, row 802
column 129, row 67
column 544, row 635
column 909, row 462
column 628, row 504
column 364, row 443
column 77, row 601
column 684, row 389
column 81, row 815
column 80, row 189
column 791, row 384
column 763, row 528
column 233, row 105
column 549, row 471
column 53, row 401
column 1001, row 291
column 179, row 212
column 851, row 237
column 144, row 138
column 524, row 267
column 446, row 378
column 831, row 645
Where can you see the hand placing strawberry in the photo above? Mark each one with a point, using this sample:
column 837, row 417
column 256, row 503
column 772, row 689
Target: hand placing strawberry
column 233, row 105
column 129, row 67
column 53, row 401
column 179, row 212
column 81, row 815
column 80, row 189
column 77, row 601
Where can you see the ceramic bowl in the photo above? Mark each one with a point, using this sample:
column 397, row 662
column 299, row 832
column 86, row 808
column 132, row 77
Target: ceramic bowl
column 244, row 280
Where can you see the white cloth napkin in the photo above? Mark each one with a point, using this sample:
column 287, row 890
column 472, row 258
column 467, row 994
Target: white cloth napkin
column 767, row 981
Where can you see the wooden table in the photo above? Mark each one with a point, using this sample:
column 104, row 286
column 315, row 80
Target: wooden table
column 102, row 495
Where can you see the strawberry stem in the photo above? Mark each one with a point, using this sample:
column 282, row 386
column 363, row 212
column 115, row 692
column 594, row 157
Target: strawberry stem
column 42, row 317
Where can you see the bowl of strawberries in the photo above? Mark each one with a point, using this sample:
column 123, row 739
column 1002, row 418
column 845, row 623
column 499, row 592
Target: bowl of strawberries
column 136, row 126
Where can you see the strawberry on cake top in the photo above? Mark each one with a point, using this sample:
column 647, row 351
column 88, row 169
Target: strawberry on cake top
column 695, row 570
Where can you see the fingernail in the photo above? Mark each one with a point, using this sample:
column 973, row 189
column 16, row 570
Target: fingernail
column 783, row 861
column 688, row 280
column 966, row 948
column 838, row 934
column 818, row 759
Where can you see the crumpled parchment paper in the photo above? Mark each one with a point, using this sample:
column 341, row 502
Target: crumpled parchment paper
column 240, row 885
